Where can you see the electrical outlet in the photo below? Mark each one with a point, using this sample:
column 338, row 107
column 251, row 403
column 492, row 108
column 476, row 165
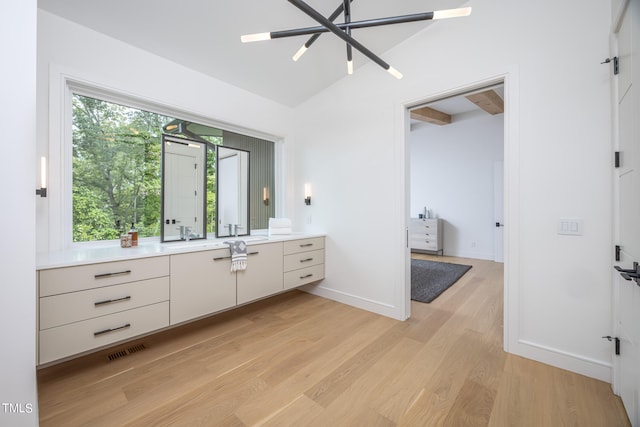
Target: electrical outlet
column 473, row 244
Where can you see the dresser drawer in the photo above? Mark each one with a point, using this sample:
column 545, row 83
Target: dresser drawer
column 293, row 279
column 425, row 244
column 303, row 245
column 303, row 259
column 420, row 225
column 70, row 279
column 72, row 307
column 67, row 340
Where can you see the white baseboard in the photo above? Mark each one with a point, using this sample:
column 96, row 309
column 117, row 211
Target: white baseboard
column 354, row 301
column 592, row 368
column 472, row 255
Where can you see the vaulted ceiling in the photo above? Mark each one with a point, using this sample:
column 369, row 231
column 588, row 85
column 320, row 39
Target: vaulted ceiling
column 204, row 35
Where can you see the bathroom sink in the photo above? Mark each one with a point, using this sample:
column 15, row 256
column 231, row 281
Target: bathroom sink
column 192, row 245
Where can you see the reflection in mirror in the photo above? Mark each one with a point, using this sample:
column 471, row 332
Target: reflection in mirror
column 232, row 192
column 183, row 189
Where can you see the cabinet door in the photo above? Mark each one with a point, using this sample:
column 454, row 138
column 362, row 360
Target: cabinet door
column 201, row 283
column 264, row 274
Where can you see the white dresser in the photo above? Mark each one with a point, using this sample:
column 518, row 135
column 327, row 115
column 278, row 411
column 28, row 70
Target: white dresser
column 426, row 235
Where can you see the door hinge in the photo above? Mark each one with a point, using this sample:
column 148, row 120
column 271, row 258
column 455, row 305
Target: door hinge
column 616, row 340
column 617, row 159
column 618, row 252
column 616, row 64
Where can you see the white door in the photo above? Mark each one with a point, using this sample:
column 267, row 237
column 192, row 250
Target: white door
column 498, row 211
column 626, row 309
column 181, row 182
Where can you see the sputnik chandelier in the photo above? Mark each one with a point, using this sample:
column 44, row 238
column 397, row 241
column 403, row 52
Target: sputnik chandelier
column 343, row 30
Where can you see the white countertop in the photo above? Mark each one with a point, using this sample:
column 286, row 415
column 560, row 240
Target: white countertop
column 148, row 248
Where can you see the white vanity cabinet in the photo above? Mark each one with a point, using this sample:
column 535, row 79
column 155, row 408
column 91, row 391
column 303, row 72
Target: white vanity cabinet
column 201, row 283
column 303, row 261
column 87, row 306
column 425, row 234
column 263, row 275
column 90, row 306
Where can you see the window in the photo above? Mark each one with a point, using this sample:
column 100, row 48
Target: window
column 116, row 169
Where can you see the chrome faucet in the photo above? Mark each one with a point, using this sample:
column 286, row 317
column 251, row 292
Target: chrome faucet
column 187, row 233
column 233, row 229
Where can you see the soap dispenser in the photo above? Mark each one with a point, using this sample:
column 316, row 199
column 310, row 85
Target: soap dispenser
column 134, row 235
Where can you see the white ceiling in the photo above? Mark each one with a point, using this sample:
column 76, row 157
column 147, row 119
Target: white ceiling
column 205, row 36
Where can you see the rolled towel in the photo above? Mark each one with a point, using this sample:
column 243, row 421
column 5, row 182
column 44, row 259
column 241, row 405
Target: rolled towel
column 279, row 223
column 238, row 249
column 275, row 231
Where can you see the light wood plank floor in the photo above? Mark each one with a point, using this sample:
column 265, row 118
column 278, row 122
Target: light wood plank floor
column 300, row 360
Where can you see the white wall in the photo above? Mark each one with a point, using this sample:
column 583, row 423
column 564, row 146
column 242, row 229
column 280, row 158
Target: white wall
column 452, row 175
column 66, row 49
column 18, row 399
column 351, row 147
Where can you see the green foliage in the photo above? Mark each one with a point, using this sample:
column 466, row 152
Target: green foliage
column 116, row 169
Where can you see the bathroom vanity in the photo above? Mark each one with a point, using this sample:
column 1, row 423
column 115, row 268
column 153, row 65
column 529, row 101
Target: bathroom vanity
column 93, row 298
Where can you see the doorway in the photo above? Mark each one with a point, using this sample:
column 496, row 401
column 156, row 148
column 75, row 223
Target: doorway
column 477, row 236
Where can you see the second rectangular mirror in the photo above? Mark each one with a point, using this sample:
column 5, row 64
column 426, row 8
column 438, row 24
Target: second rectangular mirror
column 232, row 192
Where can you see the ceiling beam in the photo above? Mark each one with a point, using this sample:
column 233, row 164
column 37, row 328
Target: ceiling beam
column 430, row 115
column 488, row 100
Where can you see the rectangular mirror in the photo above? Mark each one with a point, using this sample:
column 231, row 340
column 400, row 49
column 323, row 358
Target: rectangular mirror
column 184, row 193
column 232, row 208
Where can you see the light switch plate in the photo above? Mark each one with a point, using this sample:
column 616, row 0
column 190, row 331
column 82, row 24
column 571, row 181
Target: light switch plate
column 570, row 226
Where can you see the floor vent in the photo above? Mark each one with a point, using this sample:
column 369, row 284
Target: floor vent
column 125, row 352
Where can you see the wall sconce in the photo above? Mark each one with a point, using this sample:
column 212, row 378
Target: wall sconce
column 42, row 191
column 307, row 194
column 265, row 196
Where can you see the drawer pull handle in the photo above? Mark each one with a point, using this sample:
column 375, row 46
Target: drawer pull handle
column 306, row 260
column 109, row 301
column 220, row 258
column 106, row 331
column 229, row 257
column 306, row 245
column 119, row 273
column 307, row 276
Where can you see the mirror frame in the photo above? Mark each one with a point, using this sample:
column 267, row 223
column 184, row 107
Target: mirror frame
column 163, row 197
column 247, row 227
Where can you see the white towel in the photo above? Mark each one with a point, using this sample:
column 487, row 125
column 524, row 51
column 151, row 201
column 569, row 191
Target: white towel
column 279, row 223
column 275, row 231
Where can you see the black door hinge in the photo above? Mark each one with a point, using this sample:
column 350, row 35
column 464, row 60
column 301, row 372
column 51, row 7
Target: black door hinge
column 617, row 159
column 617, row 341
column 616, row 64
column 618, row 252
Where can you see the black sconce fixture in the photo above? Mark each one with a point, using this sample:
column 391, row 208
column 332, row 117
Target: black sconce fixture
column 307, row 194
column 42, row 191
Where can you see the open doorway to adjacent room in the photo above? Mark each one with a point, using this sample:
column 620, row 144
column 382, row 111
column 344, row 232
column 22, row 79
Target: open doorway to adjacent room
column 455, row 196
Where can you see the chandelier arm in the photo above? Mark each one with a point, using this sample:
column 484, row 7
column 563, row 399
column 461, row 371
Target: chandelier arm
column 354, row 25
column 338, row 32
column 347, row 19
column 331, row 18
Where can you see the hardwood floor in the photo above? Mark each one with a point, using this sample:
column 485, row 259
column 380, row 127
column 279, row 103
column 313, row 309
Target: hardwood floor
column 301, row 360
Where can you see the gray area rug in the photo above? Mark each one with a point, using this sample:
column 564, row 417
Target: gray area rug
column 429, row 279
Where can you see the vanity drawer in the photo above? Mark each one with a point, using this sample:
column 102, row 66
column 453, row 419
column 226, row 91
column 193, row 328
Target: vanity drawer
column 72, row 307
column 293, row 279
column 303, row 259
column 303, row 245
column 74, row 338
column 70, row 279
